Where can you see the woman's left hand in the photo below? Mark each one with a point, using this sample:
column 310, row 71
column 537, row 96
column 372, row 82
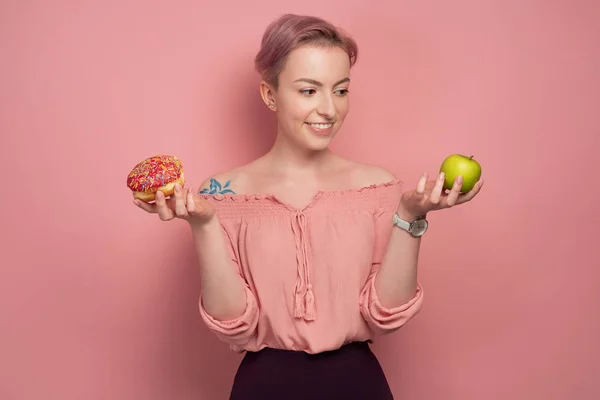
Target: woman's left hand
column 431, row 195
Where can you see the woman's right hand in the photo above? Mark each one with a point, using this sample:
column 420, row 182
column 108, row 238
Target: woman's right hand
column 184, row 204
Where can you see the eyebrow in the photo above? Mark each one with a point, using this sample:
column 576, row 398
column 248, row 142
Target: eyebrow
column 317, row 83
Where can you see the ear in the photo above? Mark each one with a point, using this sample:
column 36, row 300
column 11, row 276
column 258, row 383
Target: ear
column 267, row 92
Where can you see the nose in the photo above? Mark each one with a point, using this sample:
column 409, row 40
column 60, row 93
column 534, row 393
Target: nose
column 326, row 107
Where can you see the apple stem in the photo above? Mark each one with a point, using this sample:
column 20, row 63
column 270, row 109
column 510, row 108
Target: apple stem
column 470, row 158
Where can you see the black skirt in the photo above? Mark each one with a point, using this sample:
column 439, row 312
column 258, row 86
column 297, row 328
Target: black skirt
column 349, row 373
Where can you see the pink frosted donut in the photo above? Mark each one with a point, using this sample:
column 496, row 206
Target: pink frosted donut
column 160, row 172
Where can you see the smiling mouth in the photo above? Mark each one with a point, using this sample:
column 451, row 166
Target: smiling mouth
column 319, row 125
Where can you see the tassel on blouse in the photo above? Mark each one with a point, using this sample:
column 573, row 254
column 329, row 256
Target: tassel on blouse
column 309, row 313
column 304, row 298
column 298, row 303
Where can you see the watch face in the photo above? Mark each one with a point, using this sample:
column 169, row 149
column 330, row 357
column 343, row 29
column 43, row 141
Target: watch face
column 419, row 227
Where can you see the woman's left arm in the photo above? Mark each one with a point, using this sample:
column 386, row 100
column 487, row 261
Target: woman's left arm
column 396, row 281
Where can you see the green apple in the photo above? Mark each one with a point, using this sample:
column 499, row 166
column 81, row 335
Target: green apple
column 457, row 164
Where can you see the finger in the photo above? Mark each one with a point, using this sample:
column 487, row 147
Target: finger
column 151, row 208
column 436, row 193
column 455, row 191
column 195, row 204
column 180, row 209
column 421, row 184
column 471, row 193
column 164, row 212
column 190, row 204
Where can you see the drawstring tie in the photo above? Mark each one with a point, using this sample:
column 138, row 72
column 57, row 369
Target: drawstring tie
column 304, row 299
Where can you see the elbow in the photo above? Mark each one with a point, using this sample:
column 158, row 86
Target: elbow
column 236, row 331
column 384, row 320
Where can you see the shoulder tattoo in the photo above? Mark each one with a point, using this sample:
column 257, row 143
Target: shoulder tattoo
column 215, row 187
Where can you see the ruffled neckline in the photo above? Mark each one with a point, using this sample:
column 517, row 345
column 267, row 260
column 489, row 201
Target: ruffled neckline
column 268, row 197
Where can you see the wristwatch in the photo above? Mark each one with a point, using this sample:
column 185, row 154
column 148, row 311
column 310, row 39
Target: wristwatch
column 416, row 228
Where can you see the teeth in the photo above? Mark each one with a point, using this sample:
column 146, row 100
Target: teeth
column 321, row 126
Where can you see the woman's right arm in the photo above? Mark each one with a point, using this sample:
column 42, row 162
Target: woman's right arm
column 227, row 305
column 223, row 289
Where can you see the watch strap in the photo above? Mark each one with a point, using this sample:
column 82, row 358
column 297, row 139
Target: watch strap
column 400, row 223
column 409, row 226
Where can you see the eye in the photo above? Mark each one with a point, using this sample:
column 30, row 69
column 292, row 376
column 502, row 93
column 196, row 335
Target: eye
column 342, row 92
column 307, row 92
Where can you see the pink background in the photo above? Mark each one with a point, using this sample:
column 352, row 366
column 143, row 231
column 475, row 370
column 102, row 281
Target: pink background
column 99, row 300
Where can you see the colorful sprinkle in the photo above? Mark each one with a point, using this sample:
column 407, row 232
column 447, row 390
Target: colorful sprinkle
column 154, row 172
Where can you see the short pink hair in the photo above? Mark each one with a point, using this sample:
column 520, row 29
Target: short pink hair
column 291, row 31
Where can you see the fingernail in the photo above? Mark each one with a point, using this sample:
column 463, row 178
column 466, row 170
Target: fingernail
column 441, row 175
column 459, row 179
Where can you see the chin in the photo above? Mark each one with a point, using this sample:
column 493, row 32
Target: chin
column 318, row 147
column 318, row 142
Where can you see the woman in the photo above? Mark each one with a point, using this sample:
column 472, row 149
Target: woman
column 305, row 256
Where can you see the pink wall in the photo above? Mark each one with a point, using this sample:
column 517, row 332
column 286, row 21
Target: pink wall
column 99, row 300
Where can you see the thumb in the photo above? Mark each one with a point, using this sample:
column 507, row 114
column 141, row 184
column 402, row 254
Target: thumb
column 196, row 205
column 191, row 202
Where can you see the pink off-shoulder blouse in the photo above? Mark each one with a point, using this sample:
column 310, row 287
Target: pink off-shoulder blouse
column 309, row 273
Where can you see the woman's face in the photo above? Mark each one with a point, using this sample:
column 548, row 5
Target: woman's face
column 312, row 98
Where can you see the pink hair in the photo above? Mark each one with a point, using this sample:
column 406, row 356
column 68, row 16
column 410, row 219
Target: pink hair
column 291, row 31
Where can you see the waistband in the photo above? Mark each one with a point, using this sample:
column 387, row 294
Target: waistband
column 348, row 347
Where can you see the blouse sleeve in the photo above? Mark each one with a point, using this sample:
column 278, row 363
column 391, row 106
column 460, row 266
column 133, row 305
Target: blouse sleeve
column 240, row 330
column 383, row 320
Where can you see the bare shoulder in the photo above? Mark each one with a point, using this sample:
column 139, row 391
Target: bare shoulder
column 367, row 174
column 226, row 182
